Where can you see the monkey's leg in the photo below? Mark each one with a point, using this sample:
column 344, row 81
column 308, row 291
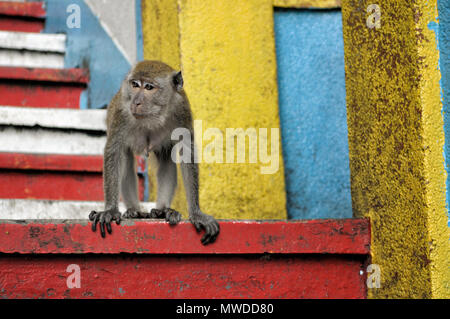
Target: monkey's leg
column 167, row 183
column 129, row 188
column 199, row 219
column 111, row 169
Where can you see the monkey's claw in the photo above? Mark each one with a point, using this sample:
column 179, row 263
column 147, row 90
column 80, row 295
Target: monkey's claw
column 170, row 215
column 104, row 219
column 209, row 224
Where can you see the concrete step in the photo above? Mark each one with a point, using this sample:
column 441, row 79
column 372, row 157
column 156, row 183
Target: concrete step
column 43, row 87
column 22, row 16
column 85, row 120
column 32, row 50
column 33, row 41
column 50, row 141
column 18, row 209
column 55, row 176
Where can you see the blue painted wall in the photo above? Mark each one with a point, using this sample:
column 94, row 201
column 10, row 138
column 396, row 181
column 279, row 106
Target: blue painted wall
column 311, row 79
column 444, row 64
column 89, row 47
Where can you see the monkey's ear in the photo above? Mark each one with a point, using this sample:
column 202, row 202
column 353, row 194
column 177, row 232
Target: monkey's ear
column 178, row 80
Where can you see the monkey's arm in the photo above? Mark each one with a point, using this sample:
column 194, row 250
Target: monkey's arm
column 111, row 170
column 196, row 216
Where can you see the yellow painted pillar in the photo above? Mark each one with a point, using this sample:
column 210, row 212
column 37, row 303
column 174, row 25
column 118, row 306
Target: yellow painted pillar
column 226, row 50
column 396, row 142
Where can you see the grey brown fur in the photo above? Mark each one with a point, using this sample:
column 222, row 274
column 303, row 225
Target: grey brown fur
column 150, row 104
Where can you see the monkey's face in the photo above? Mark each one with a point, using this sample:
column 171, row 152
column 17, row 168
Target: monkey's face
column 150, row 97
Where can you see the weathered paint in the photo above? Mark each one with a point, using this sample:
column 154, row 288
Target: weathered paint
column 21, row 209
column 89, row 47
column 231, row 83
column 22, row 9
column 311, row 81
column 327, row 236
column 313, row 259
column 444, row 65
column 183, row 277
column 308, row 4
column 396, row 140
column 86, row 120
column 44, row 87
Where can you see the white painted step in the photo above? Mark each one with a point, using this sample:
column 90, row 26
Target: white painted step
column 50, row 141
column 33, row 50
column 53, row 118
column 48, row 209
column 30, row 41
column 28, row 59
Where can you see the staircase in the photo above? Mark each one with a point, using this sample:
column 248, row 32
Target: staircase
column 51, row 150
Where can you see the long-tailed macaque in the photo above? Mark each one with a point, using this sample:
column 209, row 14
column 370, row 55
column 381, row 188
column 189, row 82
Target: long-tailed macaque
column 150, row 104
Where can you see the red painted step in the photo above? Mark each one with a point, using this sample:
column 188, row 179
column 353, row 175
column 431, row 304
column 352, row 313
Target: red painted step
column 54, row 177
column 22, row 16
column 40, row 87
column 250, row 259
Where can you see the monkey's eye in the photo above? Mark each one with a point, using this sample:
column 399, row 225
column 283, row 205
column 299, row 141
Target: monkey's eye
column 135, row 84
column 149, row 86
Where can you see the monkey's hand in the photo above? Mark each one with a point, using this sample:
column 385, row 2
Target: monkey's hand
column 207, row 222
column 104, row 218
column 170, row 215
column 134, row 213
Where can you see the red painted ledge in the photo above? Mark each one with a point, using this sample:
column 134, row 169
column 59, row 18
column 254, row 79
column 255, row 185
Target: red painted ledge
column 58, row 162
column 342, row 236
column 23, row 9
column 52, row 162
column 150, row 259
column 73, row 75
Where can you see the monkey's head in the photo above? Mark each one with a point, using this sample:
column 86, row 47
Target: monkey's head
column 150, row 89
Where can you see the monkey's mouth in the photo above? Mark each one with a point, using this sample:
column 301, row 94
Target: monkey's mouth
column 140, row 115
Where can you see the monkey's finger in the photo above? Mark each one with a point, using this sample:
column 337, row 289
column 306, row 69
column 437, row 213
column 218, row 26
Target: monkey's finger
column 118, row 219
column 206, row 237
column 102, row 227
column 198, row 227
column 108, row 227
column 95, row 221
column 216, row 231
column 214, row 227
column 173, row 218
column 108, row 219
column 92, row 215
